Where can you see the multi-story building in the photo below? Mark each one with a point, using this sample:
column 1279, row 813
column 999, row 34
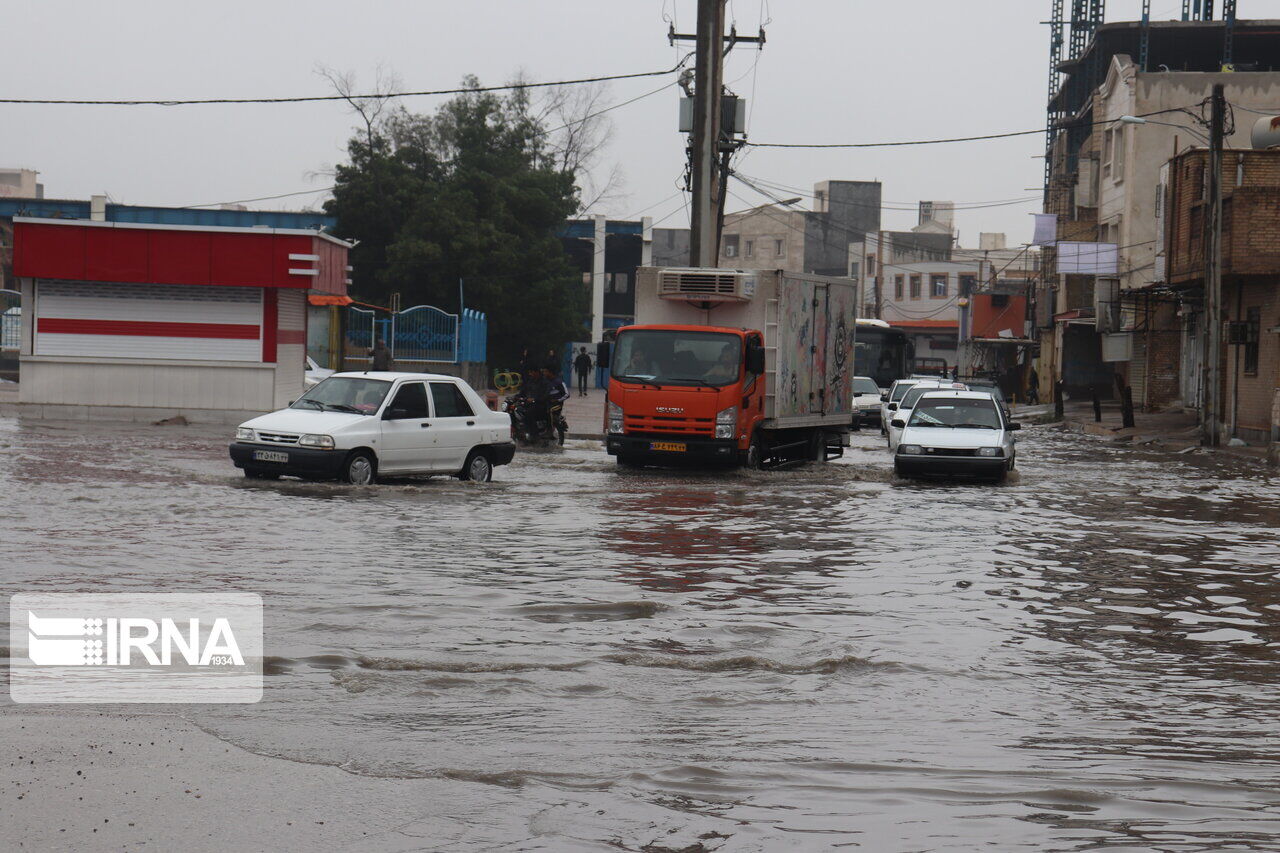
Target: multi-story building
column 20, row 183
column 776, row 236
column 1116, row 122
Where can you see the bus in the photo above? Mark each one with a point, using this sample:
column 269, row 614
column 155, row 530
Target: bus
column 882, row 352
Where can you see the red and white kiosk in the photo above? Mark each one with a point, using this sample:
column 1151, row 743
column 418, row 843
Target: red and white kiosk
column 142, row 322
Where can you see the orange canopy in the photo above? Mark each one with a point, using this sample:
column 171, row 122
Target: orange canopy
column 328, row 299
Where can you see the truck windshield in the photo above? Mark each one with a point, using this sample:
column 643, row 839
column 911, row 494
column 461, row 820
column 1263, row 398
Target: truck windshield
column 345, row 394
column 671, row 357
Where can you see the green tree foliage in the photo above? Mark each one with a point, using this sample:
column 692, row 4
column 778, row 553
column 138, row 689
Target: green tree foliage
column 469, row 192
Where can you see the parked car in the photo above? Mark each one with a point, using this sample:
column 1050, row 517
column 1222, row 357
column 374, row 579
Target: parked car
column 902, row 408
column 866, row 401
column 951, row 432
column 359, row 426
column 315, row 373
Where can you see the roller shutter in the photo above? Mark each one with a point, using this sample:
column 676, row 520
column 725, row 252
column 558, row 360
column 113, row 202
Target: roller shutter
column 148, row 321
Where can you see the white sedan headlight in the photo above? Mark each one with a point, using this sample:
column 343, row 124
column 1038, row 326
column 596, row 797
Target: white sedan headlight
column 726, row 422
column 615, row 418
column 991, row 451
column 910, row 449
column 323, row 442
column 245, row 434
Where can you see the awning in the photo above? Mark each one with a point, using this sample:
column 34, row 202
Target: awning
column 328, row 299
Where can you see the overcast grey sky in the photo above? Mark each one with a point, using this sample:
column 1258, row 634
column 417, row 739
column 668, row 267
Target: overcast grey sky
column 832, row 71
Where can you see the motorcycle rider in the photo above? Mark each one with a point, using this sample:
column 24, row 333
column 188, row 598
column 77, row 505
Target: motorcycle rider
column 557, row 393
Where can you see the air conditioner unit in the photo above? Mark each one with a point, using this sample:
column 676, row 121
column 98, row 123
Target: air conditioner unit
column 697, row 284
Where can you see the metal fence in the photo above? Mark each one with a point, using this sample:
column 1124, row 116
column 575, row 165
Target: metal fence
column 421, row 333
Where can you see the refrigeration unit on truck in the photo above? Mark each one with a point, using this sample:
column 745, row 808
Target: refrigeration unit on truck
column 745, row 367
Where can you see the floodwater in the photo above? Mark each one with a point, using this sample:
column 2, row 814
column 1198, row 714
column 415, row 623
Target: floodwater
column 821, row 658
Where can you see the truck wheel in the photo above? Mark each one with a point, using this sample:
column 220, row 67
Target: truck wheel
column 259, row 474
column 477, row 468
column 360, row 469
column 754, row 457
column 818, row 446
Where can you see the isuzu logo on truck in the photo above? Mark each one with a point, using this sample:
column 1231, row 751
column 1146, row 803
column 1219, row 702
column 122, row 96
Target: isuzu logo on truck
column 670, row 410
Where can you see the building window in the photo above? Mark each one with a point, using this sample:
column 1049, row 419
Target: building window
column 938, row 286
column 748, row 248
column 897, row 286
column 1117, row 155
column 915, row 286
column 1253, row 330
column 617, row 282
column 731, row 245
column 1108, row 144
column 779, row 247
column 871, row 265
column 853, row 270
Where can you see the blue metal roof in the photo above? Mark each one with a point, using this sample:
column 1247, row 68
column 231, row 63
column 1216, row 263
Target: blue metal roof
column 72, row 209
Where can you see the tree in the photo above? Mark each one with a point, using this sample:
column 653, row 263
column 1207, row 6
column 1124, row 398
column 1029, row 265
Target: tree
column 470, row 193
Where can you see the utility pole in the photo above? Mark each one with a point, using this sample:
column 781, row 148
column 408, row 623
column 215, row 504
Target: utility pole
column 708, row 79
column 1211, row 409
column 710, row 147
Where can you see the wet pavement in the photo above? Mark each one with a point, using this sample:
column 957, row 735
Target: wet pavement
column 820, row 658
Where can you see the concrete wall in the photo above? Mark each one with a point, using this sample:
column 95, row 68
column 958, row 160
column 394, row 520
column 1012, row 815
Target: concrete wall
column 1251, row 395
column 758, row 231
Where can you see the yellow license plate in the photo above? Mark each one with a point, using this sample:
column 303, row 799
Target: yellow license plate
column 672, row 446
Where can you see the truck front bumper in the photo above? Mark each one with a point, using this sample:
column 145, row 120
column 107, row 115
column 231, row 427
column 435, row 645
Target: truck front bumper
column 301, row 462
column 672, row 450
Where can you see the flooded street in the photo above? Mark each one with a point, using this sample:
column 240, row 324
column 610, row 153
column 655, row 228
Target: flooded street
column 822, row 658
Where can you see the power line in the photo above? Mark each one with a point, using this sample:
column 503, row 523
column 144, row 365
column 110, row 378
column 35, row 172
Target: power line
column 371, row 97
column 264, row 198
column 988, row 136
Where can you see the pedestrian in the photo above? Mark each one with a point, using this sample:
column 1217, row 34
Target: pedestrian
column 1033, row 388
column 380, row 356
column 582, row 366
column 553, row 361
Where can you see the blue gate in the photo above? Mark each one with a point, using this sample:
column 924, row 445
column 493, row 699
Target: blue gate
column 422, row 333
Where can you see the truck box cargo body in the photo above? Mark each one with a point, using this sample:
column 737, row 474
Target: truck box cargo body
column 687, row 319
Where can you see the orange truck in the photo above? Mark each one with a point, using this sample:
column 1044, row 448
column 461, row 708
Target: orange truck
column 733, row 367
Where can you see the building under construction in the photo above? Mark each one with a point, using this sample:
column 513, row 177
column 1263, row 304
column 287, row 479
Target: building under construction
column 1123, row 99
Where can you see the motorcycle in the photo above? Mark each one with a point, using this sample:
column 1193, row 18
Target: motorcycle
column 531, row 422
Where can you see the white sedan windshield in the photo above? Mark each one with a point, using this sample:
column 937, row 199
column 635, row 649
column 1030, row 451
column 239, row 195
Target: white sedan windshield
column 955, row 413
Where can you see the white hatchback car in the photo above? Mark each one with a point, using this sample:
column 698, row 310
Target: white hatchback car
column 901, row 410
column 956, row 432
column 357, row 426
column 315, row 374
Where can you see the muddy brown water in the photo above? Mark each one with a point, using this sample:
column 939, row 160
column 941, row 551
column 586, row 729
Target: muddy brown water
column 820, row 658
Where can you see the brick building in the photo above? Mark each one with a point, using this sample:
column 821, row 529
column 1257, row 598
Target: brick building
column 1250, row 360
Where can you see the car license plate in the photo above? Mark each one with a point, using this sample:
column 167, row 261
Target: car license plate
column 671, row 446
column 270, row 456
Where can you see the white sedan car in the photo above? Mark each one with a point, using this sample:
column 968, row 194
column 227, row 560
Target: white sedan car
column 958, row 433
column 315, row 373
column 901, row 410
column 358, row 426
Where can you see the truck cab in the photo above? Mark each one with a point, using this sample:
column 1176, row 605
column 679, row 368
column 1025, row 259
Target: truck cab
column 680, row 392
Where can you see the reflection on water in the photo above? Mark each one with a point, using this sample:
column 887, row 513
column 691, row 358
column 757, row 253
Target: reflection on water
column 1083, row 657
